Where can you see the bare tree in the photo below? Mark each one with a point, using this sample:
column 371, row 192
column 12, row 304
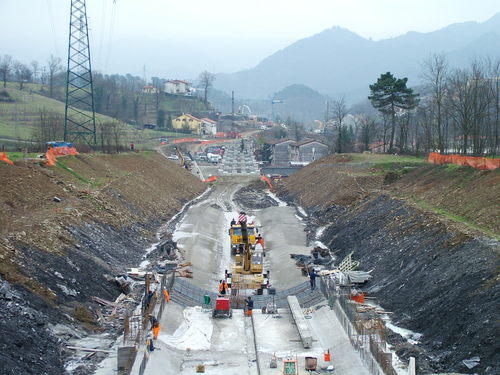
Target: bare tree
column 34, row 69
column 435, row 75
column 49, row 128
column 494, row 73
column 460, row 106
column 339, row 111
column 5, row 68
column 54, row 65
column 23, row 73
column 367, row 127
column 206, row 80
column 117, row 129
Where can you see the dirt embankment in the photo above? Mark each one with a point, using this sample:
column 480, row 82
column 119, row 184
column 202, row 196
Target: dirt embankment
column 437, row 274
column 56, row 255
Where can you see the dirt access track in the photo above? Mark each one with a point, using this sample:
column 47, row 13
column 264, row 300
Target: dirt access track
column 429, row 235
column 55, row 255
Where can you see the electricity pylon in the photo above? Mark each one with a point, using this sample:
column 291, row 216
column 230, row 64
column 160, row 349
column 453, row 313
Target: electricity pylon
column 79, row 117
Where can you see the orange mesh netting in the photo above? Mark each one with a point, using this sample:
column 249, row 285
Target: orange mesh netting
column 264, row 178
column 53, row 152
column 184, row 140
column 3, row 157
column 211, row 179
column 477, row 162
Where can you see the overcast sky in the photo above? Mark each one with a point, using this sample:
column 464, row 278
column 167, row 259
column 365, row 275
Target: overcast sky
column 180, row 38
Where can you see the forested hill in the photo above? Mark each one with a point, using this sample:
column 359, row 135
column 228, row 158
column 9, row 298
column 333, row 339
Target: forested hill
column 338, row 61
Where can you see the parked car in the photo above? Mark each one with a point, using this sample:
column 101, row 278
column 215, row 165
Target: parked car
column 173, row 157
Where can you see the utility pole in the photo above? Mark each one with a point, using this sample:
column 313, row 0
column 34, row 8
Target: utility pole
column 79, row 114
column 232, row 103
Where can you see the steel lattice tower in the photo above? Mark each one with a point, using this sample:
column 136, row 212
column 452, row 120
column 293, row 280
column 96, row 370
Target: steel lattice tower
column 79, row 119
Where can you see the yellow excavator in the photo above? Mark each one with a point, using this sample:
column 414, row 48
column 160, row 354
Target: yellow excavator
column 182, row 161
column 248, row 269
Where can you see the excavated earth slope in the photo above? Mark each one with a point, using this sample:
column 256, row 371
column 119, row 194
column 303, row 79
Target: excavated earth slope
column 430, row 235
column 55, row 255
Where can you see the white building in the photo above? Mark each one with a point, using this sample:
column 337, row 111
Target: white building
column 209, row 126
column 177, row 87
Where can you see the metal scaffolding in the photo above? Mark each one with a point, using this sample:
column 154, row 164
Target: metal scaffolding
column 79, row 118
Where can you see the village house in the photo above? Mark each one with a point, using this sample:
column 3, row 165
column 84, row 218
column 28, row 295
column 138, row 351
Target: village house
column 308, row 151
column 282, row 152
column 178, row 87
column 209, row 127
column 188, row 122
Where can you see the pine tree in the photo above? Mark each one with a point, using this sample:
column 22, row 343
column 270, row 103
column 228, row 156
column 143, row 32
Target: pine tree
column 388, row 95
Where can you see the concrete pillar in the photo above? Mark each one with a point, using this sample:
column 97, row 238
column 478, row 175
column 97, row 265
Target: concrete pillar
column 411, row 367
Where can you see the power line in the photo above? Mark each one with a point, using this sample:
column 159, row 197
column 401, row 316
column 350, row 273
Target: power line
column 52, row 26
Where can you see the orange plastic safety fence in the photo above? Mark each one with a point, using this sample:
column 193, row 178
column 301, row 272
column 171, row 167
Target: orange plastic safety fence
column 266, row 179
column 211, row 179
column 53, row 152
column 477, row 162
column 3, row 157
column 184, row 140
column 64, row 150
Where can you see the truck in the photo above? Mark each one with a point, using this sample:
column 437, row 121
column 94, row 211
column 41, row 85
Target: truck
column 213, row 158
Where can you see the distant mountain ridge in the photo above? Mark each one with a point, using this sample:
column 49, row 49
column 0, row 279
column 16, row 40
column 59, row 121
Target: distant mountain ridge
column 337, row 61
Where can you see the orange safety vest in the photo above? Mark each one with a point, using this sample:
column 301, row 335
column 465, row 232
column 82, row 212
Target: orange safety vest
column 166, row 295
column 156, row 331
column 222, row 286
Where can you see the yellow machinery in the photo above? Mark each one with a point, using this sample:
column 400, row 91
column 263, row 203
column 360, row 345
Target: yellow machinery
column 236, row 236
column 182, row 161
column 248, row 261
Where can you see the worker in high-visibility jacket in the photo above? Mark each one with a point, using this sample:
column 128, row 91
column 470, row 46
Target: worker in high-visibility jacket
column 260, row 241
column 156, row 330
column 166, row 295
column 222, row 287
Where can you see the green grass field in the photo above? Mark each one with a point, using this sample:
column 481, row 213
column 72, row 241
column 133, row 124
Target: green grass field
column 19, row 119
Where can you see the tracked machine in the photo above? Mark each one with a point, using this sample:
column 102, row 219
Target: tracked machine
column 249, row 262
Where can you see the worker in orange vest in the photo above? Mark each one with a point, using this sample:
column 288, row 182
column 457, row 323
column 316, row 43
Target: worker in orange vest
column 156, row 330
column 222, row 287
column 166, row 295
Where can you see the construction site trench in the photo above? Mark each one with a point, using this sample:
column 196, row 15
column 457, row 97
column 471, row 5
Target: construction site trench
column 436, row 282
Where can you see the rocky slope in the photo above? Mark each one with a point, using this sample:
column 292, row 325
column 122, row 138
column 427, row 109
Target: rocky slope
column 434, row 260
column 56, row 254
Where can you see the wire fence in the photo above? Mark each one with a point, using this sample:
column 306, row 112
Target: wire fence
column 367, row 336
column 136, row 325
